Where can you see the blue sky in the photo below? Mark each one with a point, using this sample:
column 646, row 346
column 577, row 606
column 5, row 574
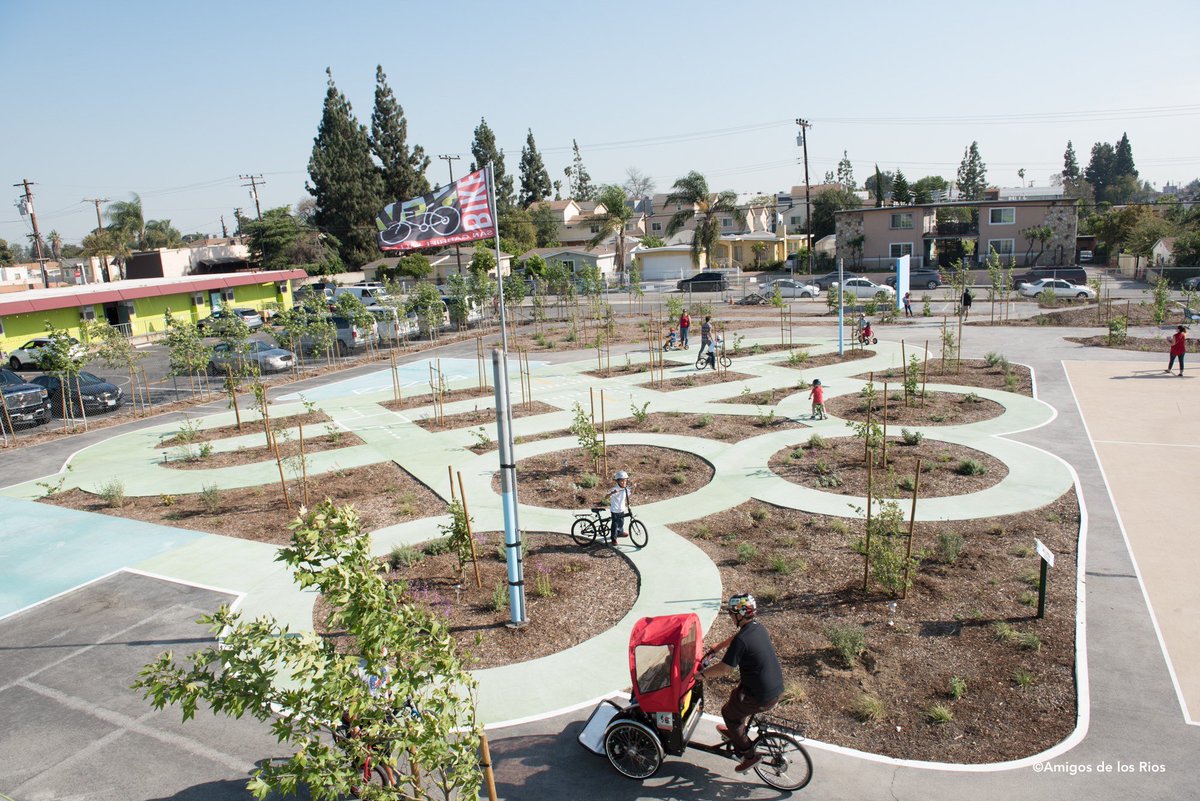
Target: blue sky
column 174, row 101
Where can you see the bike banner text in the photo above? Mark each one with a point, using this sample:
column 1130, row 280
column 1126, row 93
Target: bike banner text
column 455, row 213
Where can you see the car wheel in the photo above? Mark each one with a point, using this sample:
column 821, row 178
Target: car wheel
column 806, row 295
column 931, row 285
column 14, row 363
column 1082, row 295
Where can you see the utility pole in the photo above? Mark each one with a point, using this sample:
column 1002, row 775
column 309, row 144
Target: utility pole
column 100, row 228
column 224, row 230
column 26, row 207
column 254, row 180
column 237, row 218
column 458, row 255
column 803, row 140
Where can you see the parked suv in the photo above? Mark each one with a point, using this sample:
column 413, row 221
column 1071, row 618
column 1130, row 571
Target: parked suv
column 25, row 403
column 1072, row 273
column 930, row 279
column 703, row 282
column 350, row 338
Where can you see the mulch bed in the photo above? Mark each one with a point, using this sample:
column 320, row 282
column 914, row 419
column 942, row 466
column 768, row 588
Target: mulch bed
column 450, row 395
column 259, row 513
column 766, row 397
column 806, row 575
column 940, row 409
column 187, row 457
column 755, row 350
column 969, row 372
column 249, row 426
column 482, row 416
column 553, row 480
column 838, row 466
column 1159, row 345
column 696, row 379
column 851, row 354
column 571, row 595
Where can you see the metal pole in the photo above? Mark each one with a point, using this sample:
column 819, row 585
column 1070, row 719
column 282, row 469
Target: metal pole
column 1041, row 613
column 491, row 182
column 841, row 311
column 804, row 126
column 508, row 490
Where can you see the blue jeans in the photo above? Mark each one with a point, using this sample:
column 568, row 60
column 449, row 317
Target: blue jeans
column 683, row 340
column 618, row 523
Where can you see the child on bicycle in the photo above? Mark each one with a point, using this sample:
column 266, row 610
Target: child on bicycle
column 818, row 400
column 710, row 360
column 865, row 333
column 669, row 340
column 618, row 504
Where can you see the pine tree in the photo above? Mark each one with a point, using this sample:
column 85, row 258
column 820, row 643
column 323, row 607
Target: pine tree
column 484, row 150
column 345, row 183
column 972, row 174
column 845, row 172
column 402, row 169
column 900, row 190
column 1101, row 172
column 1123, row 163
column 582, row 188
column 1070, row 171
column 535, row 180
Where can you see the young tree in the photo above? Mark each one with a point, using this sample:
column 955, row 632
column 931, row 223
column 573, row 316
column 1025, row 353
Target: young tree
column 582, row 188
column 345, row 183
column 426, row 302
column 972, row 174
column 845, row 172
column 338, row 710
column 402, row 168
column 535, row 180
column 924, row 189
column 64, row 357
column 189, row 355
column 901, row 193
column 697, row 202
column 458, row 300
column 612, row 215
column 484, row 150
column 825, row 204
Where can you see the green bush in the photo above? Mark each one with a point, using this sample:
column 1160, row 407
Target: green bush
column 746, row 553
column 588, row 480
column 499, row 598
column 1024, row 678
column 113, row 494
column 758, row 515
column 957, row 688
column 949, row 547
column 911, row 437
column 785, row 566
column 797, row 454
column 868, row 708
column 704, row 421
column 938, row 714
column 817, row 442
column 404, row 556
column 849, row 640
column 970, row 467
column 210, row 497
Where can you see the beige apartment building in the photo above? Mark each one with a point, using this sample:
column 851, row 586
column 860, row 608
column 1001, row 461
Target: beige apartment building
column 1026, row 232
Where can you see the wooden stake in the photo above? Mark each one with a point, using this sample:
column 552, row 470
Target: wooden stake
column 282, row 480
column 883, row 445
column 924, row 374
column 450, row 472
column 303, row 469
column 867, row 549
column 146, row 384
column 912, row 520
column 486, row 763
column 904, row 370
column 237, row 413
column 470, row 535
column 958, row 348
column 603, row 433
column 943, row 343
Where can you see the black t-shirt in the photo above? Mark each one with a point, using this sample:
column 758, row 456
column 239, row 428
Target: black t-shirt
column 753, row 654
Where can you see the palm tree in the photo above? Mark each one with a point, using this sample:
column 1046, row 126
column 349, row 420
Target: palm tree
column 126, row 221
column 691, row 192
column 612, row 222
column 161, row 234
column 55, row 241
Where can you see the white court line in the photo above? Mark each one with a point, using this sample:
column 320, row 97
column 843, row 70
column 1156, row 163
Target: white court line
column 1162, row 643
column 1157, row 444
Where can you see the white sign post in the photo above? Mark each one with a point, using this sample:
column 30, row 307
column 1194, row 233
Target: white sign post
column 1047, row 557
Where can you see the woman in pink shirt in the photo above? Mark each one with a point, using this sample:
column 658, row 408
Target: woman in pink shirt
column 1178, row 348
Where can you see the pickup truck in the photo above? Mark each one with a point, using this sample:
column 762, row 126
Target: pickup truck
column 25, row 402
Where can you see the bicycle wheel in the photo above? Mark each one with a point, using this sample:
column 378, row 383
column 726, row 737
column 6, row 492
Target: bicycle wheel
column 638, row 534
column 633, row 749
column 785, row 764
column 444, row 220
column 726, row 361
column 583, row 531
column 701, row 360
column 396, row 233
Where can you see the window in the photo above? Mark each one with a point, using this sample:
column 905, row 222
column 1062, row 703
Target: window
column 1005, row 216
column 902, row 220
column 656, row 227
column 898, row 249
column 726, row 222
column 595, row 229
column 569, row 265
column 1001, row 247
column 795, row 221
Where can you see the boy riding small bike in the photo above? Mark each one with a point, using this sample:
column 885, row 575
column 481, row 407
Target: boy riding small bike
column 618, row 505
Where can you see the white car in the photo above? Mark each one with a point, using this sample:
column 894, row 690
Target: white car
column 790, row 288
column 1061, row 288
column 30, row 354
column 266, row 357
column 865, row 288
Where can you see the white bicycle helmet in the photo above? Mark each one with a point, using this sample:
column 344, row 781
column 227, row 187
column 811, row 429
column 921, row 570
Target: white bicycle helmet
column 743, row 605
column 620, row 475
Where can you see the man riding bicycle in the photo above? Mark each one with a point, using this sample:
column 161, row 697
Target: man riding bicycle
column 751, row 651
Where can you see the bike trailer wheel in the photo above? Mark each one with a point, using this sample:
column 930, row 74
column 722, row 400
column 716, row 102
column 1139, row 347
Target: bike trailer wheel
column 785, row 764
column 633, row 749
column 726, row 361
column 874, row 340
column 583, row 531
column 638, row 534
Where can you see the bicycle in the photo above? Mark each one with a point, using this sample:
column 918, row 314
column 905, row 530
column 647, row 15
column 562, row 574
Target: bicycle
column 441, row 220
column 378, row 766
column 702, row 357
column 588, row 528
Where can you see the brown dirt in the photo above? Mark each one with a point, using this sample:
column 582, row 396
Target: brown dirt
column 970, row 373
column 551, row 480
column 247, row 427
column 1160, row 345
column 572, row 594
column 842, row 460
column 450, row 395
column 1084, row 314
column 945, row 628
column 851, row 354
column 940, row 409
column 259, row 513
column 483, row 416
column 696, row 379
column 189, row 458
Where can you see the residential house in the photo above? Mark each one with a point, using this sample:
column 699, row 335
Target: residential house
column 577, row 224
column 1162, row 254
column 227, row 257
column 871, row 238
column 668, row 263
column 579, row 259
column 445, row 263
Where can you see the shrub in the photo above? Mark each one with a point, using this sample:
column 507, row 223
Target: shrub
column 840, row 527
column 949, row 546
column 938, row 714
column 210, row 497
column 703, row 532
column 957, row 688
column 167, row 500
column 1005, row 633
column 678, row 479
column 588, row 480
column 1031, row 642
column 768, row 593
column 797, row 358
column 888, row 546
column 830, row 481
column 972, row 397
column 758, row 515
column 970, row 467
column 404, row 556
column 847, row 639
column 113, row 493
column 793, row 693
column 206, row 450
column 187, row 432
column 746, row 553
column 868, row 708
column 542, row 586
column 639, row 414
column 785, row 567
column 1024, row 678
column 796, row 454
column 907, row 483
column 992, row 359
column 1028, row 598
column 911, row 437
column 481, row 436
column 817, row 442
column 442, row 545
column 499, row 598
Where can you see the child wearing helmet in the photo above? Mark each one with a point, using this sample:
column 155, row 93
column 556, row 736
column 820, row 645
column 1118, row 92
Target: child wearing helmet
column 818, row 400
column 760, row 684
column 618, row 504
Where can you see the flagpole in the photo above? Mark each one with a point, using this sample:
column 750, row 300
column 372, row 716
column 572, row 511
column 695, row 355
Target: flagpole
column 504, row 438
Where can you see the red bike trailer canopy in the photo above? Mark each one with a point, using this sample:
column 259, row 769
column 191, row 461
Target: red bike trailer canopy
column 664, row 653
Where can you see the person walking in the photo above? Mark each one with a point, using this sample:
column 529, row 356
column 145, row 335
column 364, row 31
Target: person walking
column 706, row 330
column 908, row 304
column 967, row 298
column 818, row 400
column 1178, row 348
column 685, row 322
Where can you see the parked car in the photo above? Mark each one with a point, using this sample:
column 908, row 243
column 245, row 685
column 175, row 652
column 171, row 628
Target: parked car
column 267, row 357
column 30, row 354
column 930, row 279
column 370, row 296
column 865, row 288
column 1061, row 289
column 831, row 278
column 790, row 288
column 1085, row 257
column 1074, row 274
column 1191, row 284
column 93, row 392
column 23, row 402
column 703, row 282
column 350, row 338
column 250, row 317
column 392, row 325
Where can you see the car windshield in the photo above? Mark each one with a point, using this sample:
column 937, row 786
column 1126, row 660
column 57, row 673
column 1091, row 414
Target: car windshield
column 259, row 347
column 90, row 378
column 9, row 377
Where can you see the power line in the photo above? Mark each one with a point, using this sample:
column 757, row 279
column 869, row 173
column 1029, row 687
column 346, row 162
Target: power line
column 254, row 182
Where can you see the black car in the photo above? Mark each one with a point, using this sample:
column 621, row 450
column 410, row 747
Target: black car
column 96, row 394
column 703, row 282
column 1191, row 284
column 832, row 278
column 23, row 402
column 930, row 279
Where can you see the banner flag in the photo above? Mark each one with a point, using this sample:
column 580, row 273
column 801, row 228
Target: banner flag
column 458, row 212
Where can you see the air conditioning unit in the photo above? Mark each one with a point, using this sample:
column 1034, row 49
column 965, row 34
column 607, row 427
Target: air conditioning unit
column 227, row 294
column 198, row 299
column 87, row 313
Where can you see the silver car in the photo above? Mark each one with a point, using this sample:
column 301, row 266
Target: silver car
column 789, row 288
column 865, row 288
column 268, row 358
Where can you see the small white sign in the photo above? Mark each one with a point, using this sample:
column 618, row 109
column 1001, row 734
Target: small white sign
column 1043, row 551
